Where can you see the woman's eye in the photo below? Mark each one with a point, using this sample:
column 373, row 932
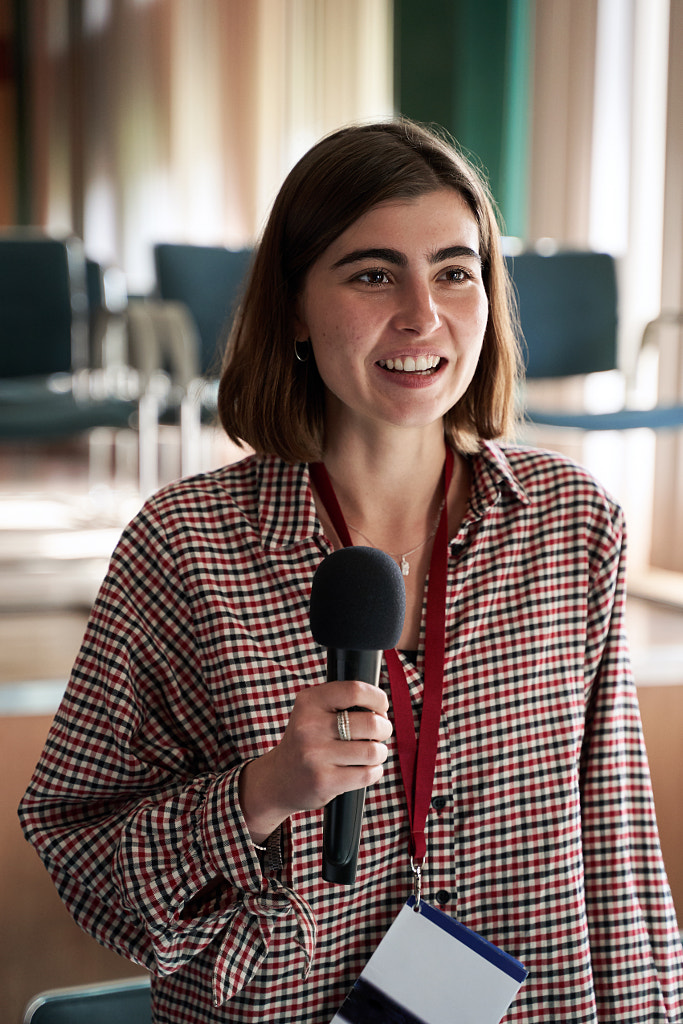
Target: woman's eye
column 456, row 274
column 374, row 277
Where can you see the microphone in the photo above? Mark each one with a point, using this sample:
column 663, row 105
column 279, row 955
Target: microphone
column 357, row 610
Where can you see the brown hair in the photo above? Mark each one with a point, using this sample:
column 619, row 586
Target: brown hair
column 276, row 404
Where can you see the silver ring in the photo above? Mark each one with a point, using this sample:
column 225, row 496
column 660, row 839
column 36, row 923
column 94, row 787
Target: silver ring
column 343, row 725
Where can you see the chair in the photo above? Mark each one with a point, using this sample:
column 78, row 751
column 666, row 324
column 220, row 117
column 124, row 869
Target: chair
column 117, row 1002
column 568, row 313
column 207, row 282
column 43, row 306
column 48, row 390
column 44, row 354
column 208, row 279
column 163, row 346
column 107, row 303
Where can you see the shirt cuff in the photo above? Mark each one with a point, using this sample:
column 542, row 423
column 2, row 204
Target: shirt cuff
column 225, row 838
column 233, row 854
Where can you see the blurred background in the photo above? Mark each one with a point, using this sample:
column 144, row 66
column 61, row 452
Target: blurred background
column 141, row 145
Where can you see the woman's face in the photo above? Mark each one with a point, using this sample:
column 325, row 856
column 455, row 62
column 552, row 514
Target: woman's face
column 396, row 310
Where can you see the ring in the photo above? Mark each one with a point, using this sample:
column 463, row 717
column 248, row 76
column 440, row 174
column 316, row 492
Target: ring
column 343, row 725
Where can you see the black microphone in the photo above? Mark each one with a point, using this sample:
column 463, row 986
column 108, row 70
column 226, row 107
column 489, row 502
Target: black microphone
column 357, row 609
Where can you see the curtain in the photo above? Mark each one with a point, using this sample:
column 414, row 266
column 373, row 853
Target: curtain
column 562, row 122
column 667, row 535
column 176, row 120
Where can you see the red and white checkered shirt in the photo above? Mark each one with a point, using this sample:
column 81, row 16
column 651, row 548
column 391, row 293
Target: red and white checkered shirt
column 541, row 835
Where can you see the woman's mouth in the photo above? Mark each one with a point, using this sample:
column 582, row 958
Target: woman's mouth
column 410, row 364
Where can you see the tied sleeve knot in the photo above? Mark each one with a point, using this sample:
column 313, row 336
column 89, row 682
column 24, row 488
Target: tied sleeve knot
column 269, row 905
column 247, row 938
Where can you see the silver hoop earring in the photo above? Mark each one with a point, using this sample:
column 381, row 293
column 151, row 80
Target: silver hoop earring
column 302, row 350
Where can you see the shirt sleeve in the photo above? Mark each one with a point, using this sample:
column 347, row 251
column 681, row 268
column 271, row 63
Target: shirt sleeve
column 635, row 947
column 134, row 805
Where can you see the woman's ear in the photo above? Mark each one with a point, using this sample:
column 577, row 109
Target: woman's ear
column 301, row 331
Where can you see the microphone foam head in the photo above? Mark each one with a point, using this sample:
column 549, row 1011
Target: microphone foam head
column 358, row 600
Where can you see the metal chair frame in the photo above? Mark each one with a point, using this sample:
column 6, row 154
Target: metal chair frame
column 125, row 1001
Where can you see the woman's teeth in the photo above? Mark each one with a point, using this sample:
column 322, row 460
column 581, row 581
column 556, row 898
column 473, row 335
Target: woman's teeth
column 411, row 365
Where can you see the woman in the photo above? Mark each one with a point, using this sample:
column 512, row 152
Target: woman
column 178, row 801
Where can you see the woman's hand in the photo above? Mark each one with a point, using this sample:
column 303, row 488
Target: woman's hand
column 311, row 764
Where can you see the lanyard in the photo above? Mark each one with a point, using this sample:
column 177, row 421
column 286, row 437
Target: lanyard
column 417, row 757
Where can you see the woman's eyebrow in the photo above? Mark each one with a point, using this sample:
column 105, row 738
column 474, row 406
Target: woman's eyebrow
column 399, row 259
column 454, row 252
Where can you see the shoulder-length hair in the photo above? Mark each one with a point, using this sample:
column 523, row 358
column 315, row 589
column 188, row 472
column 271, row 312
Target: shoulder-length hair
column 276, row 404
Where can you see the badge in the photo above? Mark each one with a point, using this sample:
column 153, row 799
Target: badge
column 430, row 969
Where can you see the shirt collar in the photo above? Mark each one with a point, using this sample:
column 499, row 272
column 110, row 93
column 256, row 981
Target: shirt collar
column 492, row 475
column 287, row 513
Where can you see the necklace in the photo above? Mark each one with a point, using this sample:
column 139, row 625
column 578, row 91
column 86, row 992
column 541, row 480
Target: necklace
column 402, row 559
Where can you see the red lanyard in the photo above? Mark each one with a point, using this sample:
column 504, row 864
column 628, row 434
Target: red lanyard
column 417, row 757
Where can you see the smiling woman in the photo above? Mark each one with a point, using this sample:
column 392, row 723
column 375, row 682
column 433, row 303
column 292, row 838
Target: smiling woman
column 349, row 175
column 403, row 284
column 179, row 801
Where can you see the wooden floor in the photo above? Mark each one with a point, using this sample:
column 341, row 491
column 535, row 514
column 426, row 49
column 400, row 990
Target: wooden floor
column 55, row 536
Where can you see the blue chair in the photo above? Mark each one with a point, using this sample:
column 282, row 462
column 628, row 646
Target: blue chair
column 208, row 280
column 49, row 389
column 117, row 1002
column 44, row 344
column 568, row 314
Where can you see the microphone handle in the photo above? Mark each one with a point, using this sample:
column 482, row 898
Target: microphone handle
column 343, row 816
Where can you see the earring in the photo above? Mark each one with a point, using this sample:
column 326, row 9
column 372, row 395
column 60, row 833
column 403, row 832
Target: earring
column 302, row 347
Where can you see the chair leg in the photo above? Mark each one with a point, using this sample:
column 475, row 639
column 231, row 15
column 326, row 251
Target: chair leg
column 101, row 458
column 148, row 441
column 190, row 436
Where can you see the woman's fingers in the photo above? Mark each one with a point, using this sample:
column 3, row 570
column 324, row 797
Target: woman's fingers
column 317, row 765
column 361, row 725
column 312, row 764
column 349, row 693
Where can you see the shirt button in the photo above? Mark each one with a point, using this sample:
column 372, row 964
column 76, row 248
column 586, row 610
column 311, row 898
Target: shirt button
column 442, row 897
column 439, row 802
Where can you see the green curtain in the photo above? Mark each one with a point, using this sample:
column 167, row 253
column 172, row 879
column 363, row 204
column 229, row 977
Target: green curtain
column 466, row 65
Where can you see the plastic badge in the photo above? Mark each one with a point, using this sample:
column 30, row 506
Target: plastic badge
column 427, row 966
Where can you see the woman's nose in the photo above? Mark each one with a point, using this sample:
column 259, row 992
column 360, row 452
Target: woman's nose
column 417, row 310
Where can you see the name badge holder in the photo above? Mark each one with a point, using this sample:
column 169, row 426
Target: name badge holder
column 430, row 969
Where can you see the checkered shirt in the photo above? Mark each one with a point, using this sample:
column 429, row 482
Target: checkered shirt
column 541, row 835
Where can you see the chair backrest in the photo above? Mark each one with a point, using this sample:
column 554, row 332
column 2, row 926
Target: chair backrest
column 43, row 306
column 568, row 311
column 208, row 279
column 118, row 1002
